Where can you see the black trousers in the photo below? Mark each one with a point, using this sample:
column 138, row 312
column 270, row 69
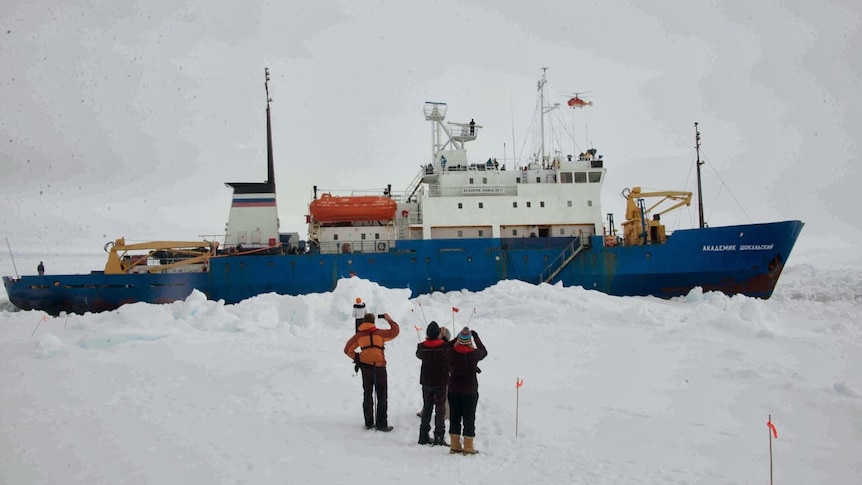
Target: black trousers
column 374, row 382
column 462, row 408
column 434, row 399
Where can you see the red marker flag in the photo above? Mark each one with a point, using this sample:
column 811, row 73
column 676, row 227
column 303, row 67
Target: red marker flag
column 772, row 427
column 519, row 382
column 418, row 328
column 455, row 309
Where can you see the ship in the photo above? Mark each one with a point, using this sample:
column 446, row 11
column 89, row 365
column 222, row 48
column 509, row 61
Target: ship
column 460, row 224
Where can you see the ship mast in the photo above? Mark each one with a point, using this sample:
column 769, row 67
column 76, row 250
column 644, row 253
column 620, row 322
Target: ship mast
column 270, row 163
column 541, row 89
column 699, row 186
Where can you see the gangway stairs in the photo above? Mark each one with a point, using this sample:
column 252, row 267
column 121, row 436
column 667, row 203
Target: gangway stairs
column 565, row 257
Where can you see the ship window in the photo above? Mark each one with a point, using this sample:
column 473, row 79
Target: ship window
column 529, row 204
column 562, row 231
column 569, row 203
column 589, row 203
column 515, row 205
column 566, row 177
column 514, row 232
column 595, row 177
column 377, row 236
column 460, row 205
column 335, row 237
column 542, row 203
column 517, row 180
column 538, row 180
column 362, row 236
column 484, row 180
column 481, row 205
column 460, row 233
column 471, row 180
column 481, row 233
column 580, row 177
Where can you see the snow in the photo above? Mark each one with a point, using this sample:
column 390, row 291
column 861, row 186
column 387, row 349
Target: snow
column 616, row 390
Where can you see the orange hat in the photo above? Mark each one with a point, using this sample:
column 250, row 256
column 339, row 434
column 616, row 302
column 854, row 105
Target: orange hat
column 358, row 300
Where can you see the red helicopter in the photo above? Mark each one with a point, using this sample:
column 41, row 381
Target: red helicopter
column 577, row 102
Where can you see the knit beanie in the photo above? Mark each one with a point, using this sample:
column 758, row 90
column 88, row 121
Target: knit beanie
column 433, row 331
column 465, row 337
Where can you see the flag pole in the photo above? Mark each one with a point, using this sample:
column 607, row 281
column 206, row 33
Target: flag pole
column 518, row 383
column 769, row 430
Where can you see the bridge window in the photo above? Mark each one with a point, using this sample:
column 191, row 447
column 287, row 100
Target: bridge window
column 580, row 177
column 595, row 177
column 566, row 177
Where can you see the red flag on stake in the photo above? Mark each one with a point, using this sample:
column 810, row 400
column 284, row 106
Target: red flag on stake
column 772, row 427
column 455, row 309
column 418, row 328
column 519, row 382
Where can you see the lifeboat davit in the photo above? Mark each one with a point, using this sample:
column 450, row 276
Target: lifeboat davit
column 354, row 208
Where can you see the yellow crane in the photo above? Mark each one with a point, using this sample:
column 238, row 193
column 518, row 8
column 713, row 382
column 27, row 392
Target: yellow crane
column 171, row 256
column 639, row 227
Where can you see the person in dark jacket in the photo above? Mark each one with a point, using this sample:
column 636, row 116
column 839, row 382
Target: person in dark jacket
column 372, row 361
column 464, row 388
column 41, row 268
column 434, row 378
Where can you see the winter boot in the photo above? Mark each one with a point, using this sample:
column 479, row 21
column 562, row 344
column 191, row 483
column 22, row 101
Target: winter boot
column 424, row 436
column 468, row 446
column 439, row 440
column 456, row 444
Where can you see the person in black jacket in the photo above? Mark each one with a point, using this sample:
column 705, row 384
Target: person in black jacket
column 464, row 388
column 434, row 378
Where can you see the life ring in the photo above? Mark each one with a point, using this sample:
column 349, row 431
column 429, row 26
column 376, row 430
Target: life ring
column 381, row 246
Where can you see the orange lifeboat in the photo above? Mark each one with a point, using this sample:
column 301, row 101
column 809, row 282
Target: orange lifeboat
column 355, row 208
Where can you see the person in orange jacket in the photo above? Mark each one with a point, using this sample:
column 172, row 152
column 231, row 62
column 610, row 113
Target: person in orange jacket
column 371, row 360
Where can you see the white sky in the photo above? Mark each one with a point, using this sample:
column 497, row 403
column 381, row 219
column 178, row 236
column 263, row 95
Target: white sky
column 616, row 390
column 125, row 120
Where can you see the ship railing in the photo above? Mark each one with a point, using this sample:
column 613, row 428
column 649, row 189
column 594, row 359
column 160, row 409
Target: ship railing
column 561, row 261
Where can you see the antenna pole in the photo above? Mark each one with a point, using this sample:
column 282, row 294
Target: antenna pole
column 699, row 186
column 11, row 257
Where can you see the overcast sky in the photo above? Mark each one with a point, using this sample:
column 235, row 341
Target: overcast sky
column 126, row 120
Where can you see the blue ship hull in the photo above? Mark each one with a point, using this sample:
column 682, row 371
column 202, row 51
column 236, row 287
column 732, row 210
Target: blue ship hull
column 744, row 259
